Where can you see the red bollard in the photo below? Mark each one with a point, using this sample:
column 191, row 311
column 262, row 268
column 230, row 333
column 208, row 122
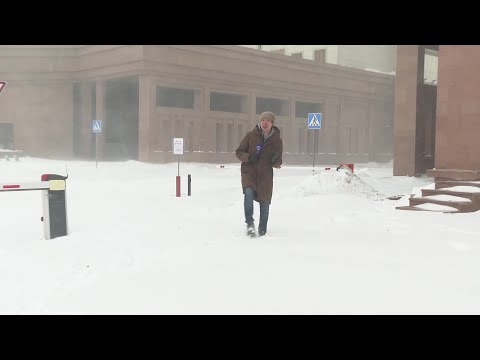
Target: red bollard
column 178, row 186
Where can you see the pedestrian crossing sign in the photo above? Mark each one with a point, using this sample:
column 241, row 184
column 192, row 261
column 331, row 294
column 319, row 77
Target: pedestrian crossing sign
column 314, row 120
column 97, row 126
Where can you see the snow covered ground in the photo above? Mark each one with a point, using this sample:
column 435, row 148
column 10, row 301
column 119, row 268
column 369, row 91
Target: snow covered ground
column 335, row 244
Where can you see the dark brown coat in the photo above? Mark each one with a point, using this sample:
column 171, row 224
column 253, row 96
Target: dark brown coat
column 259, row 175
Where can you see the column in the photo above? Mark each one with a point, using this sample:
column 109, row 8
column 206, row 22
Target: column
column 100, row 115
column 87, row 139
column 330, row 127
column 408, row 130
column 145, row 105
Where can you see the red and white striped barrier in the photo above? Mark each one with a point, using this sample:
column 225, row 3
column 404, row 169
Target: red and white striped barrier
column 41, row 185
column 54, row 202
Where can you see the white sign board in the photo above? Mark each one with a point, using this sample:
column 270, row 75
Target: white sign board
column 178, row 146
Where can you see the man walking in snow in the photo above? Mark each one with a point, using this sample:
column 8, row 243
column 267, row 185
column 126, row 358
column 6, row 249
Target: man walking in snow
column 259, row 151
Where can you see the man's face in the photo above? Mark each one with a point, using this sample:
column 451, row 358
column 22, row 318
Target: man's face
column 266, row 125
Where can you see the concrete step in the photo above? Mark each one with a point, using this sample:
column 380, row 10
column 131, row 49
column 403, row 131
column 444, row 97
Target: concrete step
column 473, row 196
column 461, row 205
column 441, row 184
column 454, row 174
column 8, row 154
column 415, row 208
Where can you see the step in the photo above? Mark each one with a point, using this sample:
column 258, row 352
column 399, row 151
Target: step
column 473, row 196
column 11, row 153
column 462, row 206
column 441, row 184
column 454, row 174
column 418, row 208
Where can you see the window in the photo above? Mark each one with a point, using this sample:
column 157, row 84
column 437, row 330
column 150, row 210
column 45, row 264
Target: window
column 166, row 136
column 230, row 138
column 301, row 132
column 6, row 136
column 297, row 55
column 240, row 134
column 302, row 109
column 218, row 138
column 177, row 98
column 319, row 55
column 179, row 131
column 310, row 141
column 277, row 106
column 190, row 136
column 228, row 102
column 430, row 67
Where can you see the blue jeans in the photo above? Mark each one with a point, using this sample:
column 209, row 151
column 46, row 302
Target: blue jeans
column 248, row 207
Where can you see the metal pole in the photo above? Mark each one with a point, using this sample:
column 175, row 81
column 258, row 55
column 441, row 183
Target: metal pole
column 314, row 140
column 96, row 149
column 189, row 185
column 178, row 166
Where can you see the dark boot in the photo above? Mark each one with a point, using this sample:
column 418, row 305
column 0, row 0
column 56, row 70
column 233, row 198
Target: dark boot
column 262, row 229
column 264, row 211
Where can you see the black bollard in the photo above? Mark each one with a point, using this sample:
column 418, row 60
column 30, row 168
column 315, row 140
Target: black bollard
column 189, row 185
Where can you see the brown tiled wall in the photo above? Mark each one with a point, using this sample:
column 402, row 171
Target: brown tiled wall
column 458, row 108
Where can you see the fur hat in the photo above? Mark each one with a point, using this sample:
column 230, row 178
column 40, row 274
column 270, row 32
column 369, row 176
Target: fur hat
column 268, row 115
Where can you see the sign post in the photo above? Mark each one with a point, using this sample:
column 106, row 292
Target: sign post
column 96, row 128
column 178, row 150
column 314, row 121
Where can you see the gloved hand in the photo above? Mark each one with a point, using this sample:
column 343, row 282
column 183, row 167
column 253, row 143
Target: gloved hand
column 275, row 158
column 253, row 158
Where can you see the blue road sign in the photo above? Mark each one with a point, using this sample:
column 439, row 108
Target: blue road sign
column 97, row 126
column 314, row 120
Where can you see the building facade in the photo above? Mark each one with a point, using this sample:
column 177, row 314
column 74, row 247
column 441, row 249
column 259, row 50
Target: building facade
column 380, row 58
column 208, row 95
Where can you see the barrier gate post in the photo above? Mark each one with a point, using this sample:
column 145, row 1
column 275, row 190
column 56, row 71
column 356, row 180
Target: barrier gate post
column 55, row 223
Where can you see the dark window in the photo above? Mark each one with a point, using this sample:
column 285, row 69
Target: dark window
column 277, row 106
column 302, row 109
column 227, row 102
column 177, row 98
column 6, row 136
